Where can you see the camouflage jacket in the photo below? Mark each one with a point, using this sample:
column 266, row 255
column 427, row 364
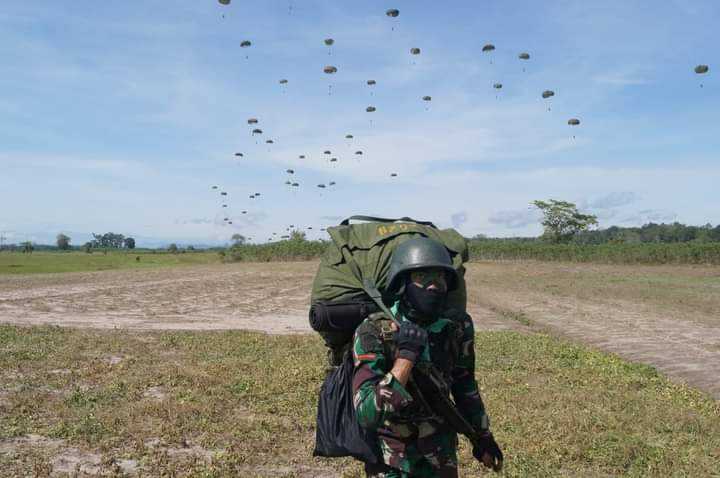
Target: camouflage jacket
column 412, row 438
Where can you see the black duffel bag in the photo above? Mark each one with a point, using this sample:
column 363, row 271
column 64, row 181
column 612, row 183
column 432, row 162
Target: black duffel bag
column 338, row 432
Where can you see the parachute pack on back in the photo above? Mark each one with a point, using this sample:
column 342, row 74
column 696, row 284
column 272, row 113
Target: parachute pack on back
column 357, row 260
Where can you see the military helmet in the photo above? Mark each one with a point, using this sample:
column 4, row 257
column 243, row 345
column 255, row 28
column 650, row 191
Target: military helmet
column 419, row 253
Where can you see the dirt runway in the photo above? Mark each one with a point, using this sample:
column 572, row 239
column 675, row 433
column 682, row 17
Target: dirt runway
column 274, row 298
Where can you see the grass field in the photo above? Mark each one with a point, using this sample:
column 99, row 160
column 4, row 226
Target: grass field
column 243, row 404
column 51, row 262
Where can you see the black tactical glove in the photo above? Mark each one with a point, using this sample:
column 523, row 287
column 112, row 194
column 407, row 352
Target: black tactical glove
column 410, row 340
column 487, row 451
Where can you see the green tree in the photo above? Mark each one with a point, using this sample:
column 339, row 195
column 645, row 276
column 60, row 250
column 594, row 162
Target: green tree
column 173, row 248
column 63, row 242
column 27, row 247
column 238, row 239
column 297, row 235
column 88, row 247
column 562, row 220
column 129, row 243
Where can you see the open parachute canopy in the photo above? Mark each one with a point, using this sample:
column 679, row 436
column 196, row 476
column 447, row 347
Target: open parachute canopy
column 427, row 98
column 224, row 2
column 252, row 121
column 240, row 155
column 370, row 109
column 302, row 156
column 290, row 171
column 329, row 41
column 329, row 70
column 359, row 153
column 245, row 43
column 547, row 94
column 321, row 186
column 524, row 56
column 489, row 47
column 497, row 86
column 349, row 136
column 393, row 175
column 269, row 141
column 333, row 160
column 283, row 81
column 393, row 12
column 414, row 51
column 573, row 121
column 327, row 151
column 257, row 131
column 702, row 69
column 371, row 82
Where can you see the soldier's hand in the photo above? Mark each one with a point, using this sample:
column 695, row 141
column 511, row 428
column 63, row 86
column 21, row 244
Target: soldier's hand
column 410, row 340
column 487, row 451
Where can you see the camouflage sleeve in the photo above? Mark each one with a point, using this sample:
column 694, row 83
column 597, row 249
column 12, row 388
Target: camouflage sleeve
column 465, row 388
column 377, row 395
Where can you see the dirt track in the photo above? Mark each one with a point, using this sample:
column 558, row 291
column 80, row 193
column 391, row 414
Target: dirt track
column 274, row 298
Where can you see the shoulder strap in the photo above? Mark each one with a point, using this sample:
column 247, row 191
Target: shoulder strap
column 346, row 222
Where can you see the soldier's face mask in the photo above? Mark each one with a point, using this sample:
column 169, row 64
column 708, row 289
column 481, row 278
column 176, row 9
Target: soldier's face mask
column 426, row 294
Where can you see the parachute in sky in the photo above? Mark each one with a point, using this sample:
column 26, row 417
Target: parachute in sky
column 547, row 94
column 239, row 155
column 701, row 70
column 349, row 136
column 330, row 70
column 224, row 205
column 257, row 194
column 392, row 13
column 245, row 44
column 327, row 152
column 321, row 186
column 370, row 109
column 371, row 82
column 223, row 193
column 329, row 41
column 488, row 48
column 252, row 196
column 524, row 56
column 359, row 153
column 331, row 183
column 257, row 131
column 393, row 175
column 283, row 81
column 269, row 141
column 224, row 2
column 290, row 171
column 244, row 212
column 288, row 183
column 427, row 98
column 302, row 156
column 574, row 122
column 333, row 160
column 295, row 185
column 214, row 187
column 497, row 86
column 414, row 51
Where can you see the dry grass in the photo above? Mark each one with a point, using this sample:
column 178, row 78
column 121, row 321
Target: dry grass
column 243, row 404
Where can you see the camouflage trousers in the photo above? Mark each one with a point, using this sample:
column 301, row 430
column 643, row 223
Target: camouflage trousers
column 439, row 460
column 384, row 471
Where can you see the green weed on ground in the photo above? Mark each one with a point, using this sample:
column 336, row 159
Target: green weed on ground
column 243, row 404
column 51, row 262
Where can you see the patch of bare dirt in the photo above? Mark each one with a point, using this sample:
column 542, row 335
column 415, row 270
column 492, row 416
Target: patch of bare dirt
column 268, row 297
column 680, row 347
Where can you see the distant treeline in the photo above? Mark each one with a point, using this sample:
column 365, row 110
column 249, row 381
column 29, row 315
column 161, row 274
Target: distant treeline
column 649, row 244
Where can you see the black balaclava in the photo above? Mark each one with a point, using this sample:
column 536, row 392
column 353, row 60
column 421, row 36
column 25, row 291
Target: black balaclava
column 421, row 305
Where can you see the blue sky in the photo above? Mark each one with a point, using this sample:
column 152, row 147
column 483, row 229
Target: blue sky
column 120, row 116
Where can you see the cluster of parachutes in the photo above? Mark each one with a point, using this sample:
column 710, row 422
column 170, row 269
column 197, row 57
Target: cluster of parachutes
column 291, row 181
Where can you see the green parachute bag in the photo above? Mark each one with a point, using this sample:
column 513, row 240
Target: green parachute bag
column 355, row 266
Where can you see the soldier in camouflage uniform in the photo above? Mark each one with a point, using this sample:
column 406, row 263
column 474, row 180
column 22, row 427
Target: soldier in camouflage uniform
column 414, row 442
